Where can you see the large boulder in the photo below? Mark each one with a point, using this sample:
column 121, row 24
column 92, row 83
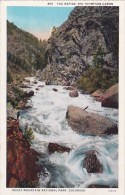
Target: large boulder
column 110, row 97
column 88, row 123
column 54, row 147
column 73, row 93
column 91, row 162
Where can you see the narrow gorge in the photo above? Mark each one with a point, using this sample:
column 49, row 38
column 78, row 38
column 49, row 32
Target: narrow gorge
column 62, row 103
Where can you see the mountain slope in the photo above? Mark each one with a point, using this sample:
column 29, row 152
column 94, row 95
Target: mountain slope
column 25, row 53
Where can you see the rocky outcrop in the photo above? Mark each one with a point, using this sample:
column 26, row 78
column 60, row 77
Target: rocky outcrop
column 54, row 147
column 73, row 46
column 88, row 123
column 22, row 161
column 91, row 163
column 15, row 96
column 110, row 97
column 11, row 112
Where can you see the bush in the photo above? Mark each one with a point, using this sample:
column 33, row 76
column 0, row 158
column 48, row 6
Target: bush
column 29, row 134
column 98, row 77
column 98, row 59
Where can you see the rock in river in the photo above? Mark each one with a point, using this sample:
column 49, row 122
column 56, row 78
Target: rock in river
column 53, row 147
column 73, row 93
column 54, row 89
column 88, row 123
column 110, row 97
column 91, row 163
column 30, row 93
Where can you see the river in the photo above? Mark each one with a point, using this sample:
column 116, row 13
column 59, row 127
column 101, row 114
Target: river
column 47, row 118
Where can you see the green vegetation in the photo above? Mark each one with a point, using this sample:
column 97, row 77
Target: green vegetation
column 29, row 134
column 98, row 76
column 25, row 53
column 41, row 61
column 98, row 59
column 16, row 96
column 54, row 29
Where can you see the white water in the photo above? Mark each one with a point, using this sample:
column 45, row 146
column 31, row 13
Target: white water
column 47, row 119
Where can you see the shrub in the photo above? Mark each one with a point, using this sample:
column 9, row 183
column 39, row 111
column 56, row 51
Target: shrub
column 98, row 59
column 98, row 76
column 29, row 134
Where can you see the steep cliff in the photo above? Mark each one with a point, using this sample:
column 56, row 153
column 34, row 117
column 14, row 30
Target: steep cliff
column 22, row 161
column 72, row 47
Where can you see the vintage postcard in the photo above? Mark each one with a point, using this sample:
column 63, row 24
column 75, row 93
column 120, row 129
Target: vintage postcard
column 62, row 97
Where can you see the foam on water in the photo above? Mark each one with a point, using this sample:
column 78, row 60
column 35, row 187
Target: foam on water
column 47, row 117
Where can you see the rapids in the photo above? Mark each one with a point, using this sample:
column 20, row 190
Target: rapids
column 47, row 118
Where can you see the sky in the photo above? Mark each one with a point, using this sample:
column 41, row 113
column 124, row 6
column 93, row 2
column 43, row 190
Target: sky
column 38, row 20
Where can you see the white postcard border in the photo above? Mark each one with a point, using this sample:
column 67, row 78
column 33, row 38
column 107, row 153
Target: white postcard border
column 3, row 62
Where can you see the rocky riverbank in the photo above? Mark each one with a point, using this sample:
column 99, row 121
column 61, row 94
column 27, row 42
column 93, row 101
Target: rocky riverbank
column 109, row 97
column 22, row 162
column 64, row 133
column 23, row 166
column 81, row 121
